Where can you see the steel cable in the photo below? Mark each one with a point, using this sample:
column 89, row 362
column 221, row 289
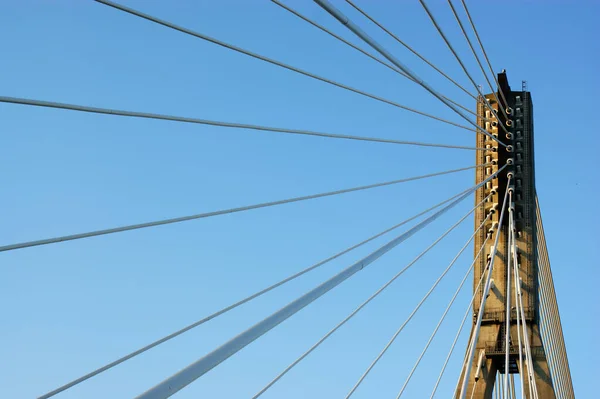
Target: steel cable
column 174, row 118
column 344, row 20
column 195, row 370
column 239, row 303
column 270, row 60
column 366, row 53
column 358, row 309
column 373, row 20
column 417, row 307
column 441, row 32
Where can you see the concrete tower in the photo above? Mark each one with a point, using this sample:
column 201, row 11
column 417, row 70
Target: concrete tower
column 489, row 357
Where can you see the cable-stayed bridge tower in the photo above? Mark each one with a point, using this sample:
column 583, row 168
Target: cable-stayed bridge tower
column 510, row 309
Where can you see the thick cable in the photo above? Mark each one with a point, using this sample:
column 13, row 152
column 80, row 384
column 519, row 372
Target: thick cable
column 512, row 243
column 435, row 330
column 473, row 343
column 513, row 394
column 507, row 297
column 473, row 393
column 239, row 303
column 174, row 118
column 416, row 309
column 464, row 68
column 358, row 309
column 344, row 20
column 220, row 212
column 373, row 20
column 528, row 355
column 528, row 359
column 195, row 370
column 462, row 324
column 362, row 51
column 464, row 31
column 269, row 60
column 483, row 51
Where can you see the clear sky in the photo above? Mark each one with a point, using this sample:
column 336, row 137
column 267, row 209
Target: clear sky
column 72, row 307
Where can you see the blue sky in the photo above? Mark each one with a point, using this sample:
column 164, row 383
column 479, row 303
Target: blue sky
column 72, row 307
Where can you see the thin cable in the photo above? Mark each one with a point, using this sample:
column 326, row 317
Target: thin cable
column 549, row 332
column 464, row 31
column 473, row 343
column 355, row 47
column 344, row 20
column 358, row 309
column 417, row 307
column 373, row 20
column 174, row 118
column 483, row 51
column 338, row 37
column 195, row 370
column 269, row 60
column 550, row 327
column 441, row 32
column 435, row 330
column 554, row 347
column 239, row 303
column 462, row 324
column 451, row 48
column 221, row 212
column 548, row 281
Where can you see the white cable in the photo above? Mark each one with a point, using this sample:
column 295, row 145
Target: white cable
column 517, row 308
column 473, row 343
column 507, row 299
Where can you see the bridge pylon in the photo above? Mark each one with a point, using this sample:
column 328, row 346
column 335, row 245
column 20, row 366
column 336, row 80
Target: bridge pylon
column 486, row 362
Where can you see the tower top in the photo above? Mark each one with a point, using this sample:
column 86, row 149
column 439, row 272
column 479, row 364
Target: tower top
column 503, row 82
